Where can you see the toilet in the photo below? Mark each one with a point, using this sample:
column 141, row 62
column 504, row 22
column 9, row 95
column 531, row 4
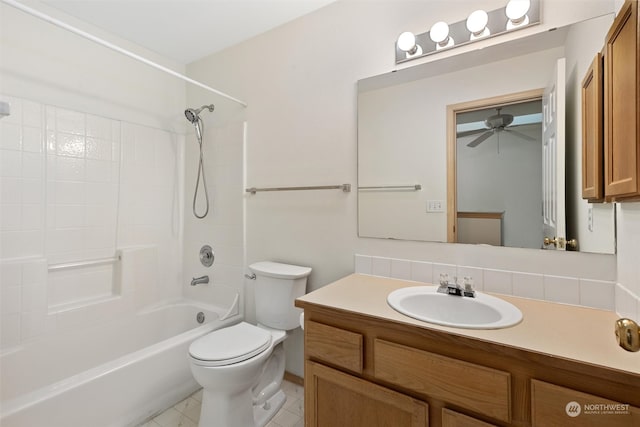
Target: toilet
column 241, row 367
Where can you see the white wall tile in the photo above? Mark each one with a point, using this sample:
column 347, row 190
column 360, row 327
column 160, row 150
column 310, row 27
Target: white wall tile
column 528, row 285
column 10, row 136
column 11, row 299
column 421, row 271
column 10, row 163
column 70, row 145
column 32, row 113
column 98, row 171
column 561, row 289
column 10, row 190
column 99, row 149
column 34, row 297
column 69, row 216
column 32, row 191
column 362, row 264
column 69, row 121
column 32, row 140
column 381, row 266
column 10, row 274
column 400, row 269
column 32, row 217
column 98, row 127
column 10, row 330
column 597, row 294
column 11, row 217
column 68, row 169
column 626, row 303
column 498, row 281
column 32, row 166
column 33, row 325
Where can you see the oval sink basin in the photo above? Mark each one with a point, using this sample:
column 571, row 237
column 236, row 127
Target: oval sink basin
column 482, row 312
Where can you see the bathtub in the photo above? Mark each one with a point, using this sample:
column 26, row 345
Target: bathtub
column 118, row 374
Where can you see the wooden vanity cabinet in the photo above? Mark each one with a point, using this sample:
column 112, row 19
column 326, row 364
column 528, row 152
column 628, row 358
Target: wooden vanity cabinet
column 363, row 371
column 622, row 105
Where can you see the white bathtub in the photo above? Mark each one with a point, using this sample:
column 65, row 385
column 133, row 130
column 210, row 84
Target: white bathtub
column 118, row 374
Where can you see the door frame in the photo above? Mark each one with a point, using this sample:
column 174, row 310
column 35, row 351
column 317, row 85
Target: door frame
column 463, row 107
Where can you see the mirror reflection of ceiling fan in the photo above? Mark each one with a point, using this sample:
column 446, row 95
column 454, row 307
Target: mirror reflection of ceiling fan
column 495, row 124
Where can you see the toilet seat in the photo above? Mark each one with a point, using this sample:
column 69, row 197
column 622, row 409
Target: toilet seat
column 230, row 345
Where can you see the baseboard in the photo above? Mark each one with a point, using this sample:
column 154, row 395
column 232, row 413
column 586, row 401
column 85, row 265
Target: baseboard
column 288, row 376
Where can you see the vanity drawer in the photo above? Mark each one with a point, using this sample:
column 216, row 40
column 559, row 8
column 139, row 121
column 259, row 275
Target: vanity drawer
column 335, row 346
column 482, row 390
column 555, row 405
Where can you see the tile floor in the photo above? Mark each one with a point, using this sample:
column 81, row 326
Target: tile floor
column 187, row 412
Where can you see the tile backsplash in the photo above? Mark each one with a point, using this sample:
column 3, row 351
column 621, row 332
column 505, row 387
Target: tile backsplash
column 566, row 290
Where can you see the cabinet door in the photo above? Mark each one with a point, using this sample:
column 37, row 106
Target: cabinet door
column 622, row 81
column 552, row 405
column 333, row 398
column 592, row 132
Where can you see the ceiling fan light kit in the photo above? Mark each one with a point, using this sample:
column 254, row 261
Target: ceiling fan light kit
column 479, row 25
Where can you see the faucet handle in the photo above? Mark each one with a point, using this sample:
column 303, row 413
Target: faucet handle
column 469, row 291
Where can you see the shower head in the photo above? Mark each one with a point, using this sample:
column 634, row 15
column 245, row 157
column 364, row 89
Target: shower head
column 192, row 115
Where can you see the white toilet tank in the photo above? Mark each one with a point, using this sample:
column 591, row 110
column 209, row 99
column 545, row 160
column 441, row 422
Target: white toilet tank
column 277, row 286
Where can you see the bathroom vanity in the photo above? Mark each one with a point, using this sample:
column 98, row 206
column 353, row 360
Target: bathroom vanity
column 368, row 365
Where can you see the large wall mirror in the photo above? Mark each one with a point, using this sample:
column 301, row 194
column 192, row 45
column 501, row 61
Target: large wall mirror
column 405, row 123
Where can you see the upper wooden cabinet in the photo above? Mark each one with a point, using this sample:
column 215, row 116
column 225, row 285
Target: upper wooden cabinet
column 621, row 106
column 592, row 132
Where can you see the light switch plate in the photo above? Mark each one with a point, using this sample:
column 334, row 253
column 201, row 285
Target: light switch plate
column 435, row 206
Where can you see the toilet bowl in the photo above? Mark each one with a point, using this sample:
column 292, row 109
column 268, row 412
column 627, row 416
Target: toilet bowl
column 241, row 367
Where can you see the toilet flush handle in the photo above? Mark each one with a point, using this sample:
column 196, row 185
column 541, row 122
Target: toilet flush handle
column 251, row 276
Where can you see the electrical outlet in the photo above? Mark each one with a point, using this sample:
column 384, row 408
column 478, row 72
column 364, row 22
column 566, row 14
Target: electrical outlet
column 435, row 206
column 590, row 217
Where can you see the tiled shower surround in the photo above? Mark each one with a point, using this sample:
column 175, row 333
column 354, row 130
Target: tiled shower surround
column 76, row 187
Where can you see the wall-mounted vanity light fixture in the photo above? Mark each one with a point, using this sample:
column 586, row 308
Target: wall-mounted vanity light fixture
column 516, row 15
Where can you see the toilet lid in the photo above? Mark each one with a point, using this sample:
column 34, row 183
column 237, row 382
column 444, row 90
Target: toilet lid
column 230, row 345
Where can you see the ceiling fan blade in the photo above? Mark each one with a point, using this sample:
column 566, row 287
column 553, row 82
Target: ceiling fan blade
column 470, row 132
column 480, row 139
column 520, row 134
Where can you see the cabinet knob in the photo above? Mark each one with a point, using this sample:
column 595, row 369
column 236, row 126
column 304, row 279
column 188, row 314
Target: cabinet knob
column 628, row 334
column 549, row 241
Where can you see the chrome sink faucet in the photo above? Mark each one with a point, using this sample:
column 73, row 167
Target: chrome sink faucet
column 456, row 289
column 199, row 280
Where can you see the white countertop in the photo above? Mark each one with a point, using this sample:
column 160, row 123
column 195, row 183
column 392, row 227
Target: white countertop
column 577, row 333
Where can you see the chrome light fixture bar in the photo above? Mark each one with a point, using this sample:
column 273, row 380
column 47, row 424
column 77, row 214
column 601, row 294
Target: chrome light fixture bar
column 480, row 25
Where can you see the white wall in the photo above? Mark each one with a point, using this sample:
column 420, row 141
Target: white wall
column 504, row 174
column 92, row 158
column 300, row 83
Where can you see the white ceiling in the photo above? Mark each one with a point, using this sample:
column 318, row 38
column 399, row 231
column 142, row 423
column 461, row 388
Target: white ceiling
column 186, row 30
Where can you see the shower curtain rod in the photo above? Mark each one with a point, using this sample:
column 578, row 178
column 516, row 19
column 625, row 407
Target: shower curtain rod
column 112, row 46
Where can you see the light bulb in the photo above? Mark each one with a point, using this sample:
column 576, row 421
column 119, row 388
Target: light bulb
column 439, row 32
column 516, row 11
column 407, row 42
column 477, row 24
column 477, row 21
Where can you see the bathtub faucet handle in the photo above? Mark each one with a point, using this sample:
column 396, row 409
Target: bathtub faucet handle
column 198, row 280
